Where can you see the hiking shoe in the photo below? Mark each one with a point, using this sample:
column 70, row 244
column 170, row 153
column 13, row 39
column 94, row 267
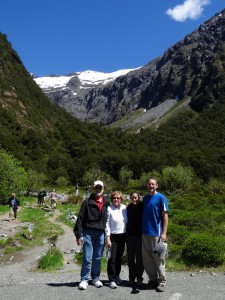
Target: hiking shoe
column 118, row 280
column 97, row 283
column 83, row 285
column 112, row 285
column 152, row 284
column 161, row 287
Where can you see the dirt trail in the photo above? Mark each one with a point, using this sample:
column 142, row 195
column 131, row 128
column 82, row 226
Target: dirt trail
column 26, row 260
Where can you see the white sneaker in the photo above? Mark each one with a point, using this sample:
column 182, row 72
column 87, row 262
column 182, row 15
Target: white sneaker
column 83, row 285
column 118, row 280
column 112, row 285
column 97, row 283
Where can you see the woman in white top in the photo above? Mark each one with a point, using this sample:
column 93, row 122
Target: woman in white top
column 115, row 237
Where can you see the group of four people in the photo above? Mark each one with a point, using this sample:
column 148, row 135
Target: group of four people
column 140, row 225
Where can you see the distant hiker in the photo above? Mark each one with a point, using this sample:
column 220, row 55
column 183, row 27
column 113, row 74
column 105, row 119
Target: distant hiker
column 76, row 189
column 87, row 191
column 90, row 231
column 53, row 198
column 13, row 205
column 41, row 195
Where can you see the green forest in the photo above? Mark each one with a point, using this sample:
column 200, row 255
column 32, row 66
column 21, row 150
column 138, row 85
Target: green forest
column 48, row 140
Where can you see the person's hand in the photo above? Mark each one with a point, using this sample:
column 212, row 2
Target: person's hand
column 79, row 241
column 163, row 237
column 108, row 242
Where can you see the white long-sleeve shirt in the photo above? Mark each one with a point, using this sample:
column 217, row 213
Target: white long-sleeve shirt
column 116, row 220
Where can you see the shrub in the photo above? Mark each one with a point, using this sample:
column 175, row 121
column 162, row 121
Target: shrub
column 73, row 199
column 177, row 233
column 204, row 250
column 177, row 178
column 51, row 261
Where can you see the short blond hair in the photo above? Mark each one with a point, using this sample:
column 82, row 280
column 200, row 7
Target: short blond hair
column 116, row 193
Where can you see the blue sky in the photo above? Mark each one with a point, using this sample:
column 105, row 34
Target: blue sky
column 64, row 36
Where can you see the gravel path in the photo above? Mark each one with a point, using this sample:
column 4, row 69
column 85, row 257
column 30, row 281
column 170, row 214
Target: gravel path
column 18, row 281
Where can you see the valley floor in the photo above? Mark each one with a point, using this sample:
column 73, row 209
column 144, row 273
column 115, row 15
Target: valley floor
column 18, row 281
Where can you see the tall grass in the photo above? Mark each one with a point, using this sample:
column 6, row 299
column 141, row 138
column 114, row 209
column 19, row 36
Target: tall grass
column 51, row 261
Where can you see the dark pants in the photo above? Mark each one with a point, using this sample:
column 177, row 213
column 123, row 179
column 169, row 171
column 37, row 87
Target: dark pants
column 13, row 211
column 134, row 256
column 115, row 261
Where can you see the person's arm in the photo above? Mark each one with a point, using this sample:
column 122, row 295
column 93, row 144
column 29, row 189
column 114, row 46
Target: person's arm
column 107, row 230
column 78, row 228
column 165, row 225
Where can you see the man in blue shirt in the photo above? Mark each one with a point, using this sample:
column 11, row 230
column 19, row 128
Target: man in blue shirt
column 154, row 228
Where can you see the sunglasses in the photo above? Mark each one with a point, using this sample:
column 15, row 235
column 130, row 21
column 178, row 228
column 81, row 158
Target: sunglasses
column 98, row 187
column 116, row 198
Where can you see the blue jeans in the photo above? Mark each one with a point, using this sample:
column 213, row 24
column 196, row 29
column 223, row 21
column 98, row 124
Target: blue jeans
column 93, row 247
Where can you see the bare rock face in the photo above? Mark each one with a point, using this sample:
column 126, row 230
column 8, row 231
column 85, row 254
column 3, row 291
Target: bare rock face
column 180, row 72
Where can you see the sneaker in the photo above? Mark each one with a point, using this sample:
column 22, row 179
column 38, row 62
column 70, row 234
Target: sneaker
column 97, row 283
column 152, row 284
column 83, row 285
column 112, row 285
column 118, row 280
column 161, row 287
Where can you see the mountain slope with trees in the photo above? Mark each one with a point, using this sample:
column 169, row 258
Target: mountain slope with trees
column 47, row 139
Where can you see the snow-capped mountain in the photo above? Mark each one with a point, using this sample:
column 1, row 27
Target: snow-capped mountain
column 86, row 78
column 183, row 71
column 70, row 91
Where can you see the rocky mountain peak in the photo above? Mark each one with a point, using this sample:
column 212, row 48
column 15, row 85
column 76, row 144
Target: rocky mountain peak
column 179, row 73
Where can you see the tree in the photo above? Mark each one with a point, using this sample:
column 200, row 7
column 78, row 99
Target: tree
column 177, row 178
column 93, row 174
column 35, row 180
column 13, row 177
column 124, row 175
column 62, row 181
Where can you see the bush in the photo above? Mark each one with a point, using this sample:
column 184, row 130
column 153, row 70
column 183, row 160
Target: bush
column 53, row 260
column 177, row 233
column 204, row 250
column 73, row 199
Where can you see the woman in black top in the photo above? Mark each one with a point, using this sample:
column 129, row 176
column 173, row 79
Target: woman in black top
column 133, row 239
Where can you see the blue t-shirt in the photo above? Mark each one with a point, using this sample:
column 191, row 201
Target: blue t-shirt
column 154, row 205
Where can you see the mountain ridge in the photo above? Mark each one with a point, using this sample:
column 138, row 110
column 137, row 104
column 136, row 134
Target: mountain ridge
column 177, row 74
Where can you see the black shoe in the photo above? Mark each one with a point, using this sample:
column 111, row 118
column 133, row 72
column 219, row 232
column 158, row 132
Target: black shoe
column 152, row 284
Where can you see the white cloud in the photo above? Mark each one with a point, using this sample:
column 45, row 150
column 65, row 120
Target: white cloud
column 190, row 9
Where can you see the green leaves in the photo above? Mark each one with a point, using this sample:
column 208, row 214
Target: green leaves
column 204, row 250
column 13, row 177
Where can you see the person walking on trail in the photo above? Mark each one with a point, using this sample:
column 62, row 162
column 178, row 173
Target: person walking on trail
column 154, row 229
column 90, row 231
column 41, row 195
column 53, row 198
column 77, row 189
column 14, row 203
